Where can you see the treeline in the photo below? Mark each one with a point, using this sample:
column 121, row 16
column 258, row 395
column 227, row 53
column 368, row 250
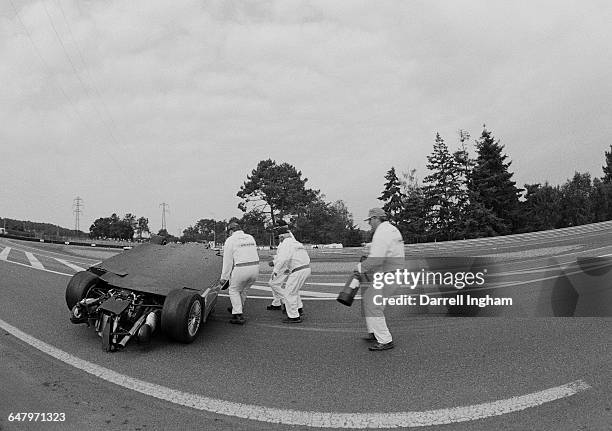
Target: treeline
column 578, row 201
column 26, row 228
column 274, row 192
column 462, row 197
column 117, row 228
column 465, row 197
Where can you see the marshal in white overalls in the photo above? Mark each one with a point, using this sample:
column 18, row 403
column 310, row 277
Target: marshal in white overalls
column 240, row 266
column 291, row 261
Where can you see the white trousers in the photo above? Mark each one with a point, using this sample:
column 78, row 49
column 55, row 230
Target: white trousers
column 276, row 285
column 291, row 292
column 378, row 327
column 241, row 279
column 375, row 316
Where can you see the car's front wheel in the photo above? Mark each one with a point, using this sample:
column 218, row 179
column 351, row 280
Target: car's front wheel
column 182, row 315
column 79, row 286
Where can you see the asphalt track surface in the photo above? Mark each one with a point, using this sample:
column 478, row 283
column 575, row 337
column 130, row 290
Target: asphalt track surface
column 499, row 367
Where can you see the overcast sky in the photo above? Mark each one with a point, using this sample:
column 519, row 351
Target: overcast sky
column 129, row 104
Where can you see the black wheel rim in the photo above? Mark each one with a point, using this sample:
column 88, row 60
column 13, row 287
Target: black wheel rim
column 194, row 319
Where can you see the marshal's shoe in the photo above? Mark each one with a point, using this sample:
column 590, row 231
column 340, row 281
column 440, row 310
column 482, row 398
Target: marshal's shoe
column 237, row 319
column 379, row 346
column 300, row 310
column 274, row 307
column 292, row 320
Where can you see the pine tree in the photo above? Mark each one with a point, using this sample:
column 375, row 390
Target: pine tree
column 491, row 184
column 412, row 225
column 464, row 164
column 393, row 196
column 442, row 190
column 602, row 192
column 479, row 221
column 607, row 170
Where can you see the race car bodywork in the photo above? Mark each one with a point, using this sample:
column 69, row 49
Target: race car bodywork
column 131, row 294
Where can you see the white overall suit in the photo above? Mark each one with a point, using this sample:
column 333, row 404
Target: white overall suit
column 291, row 261
column 386, row 253
column 277, row 283
column 240, row 267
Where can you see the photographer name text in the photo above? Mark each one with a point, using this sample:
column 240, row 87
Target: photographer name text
column 416, row 300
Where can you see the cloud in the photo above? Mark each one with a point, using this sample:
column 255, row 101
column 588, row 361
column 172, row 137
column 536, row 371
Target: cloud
column 147, row 101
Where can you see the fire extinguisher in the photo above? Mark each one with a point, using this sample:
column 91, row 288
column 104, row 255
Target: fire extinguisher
column 348, row 292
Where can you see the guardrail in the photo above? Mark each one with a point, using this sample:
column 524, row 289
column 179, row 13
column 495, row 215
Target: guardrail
column 521, row 238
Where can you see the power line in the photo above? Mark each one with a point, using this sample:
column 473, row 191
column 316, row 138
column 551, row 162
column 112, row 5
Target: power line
column 42, row 59
column 80, row 79
column 48, row 70
column 83, row 85
column 61, row 42
column 85, row 65
column 87, row 87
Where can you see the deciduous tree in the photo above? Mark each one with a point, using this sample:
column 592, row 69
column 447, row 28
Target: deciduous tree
column 142, row 226
column 277, row 190
column 576, row 203
column 541, row 207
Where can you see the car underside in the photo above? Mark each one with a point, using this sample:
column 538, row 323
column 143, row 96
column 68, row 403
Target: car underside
column 134, row 294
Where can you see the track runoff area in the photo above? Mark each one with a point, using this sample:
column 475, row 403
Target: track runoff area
column 515, row 366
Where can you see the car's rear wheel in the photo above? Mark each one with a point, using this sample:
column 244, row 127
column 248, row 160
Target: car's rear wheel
column 79, row 286
column 182, row 315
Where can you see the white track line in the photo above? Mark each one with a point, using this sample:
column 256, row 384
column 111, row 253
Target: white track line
column 304, row 298
column 5, row 253
column 69, row 265
column 35, row 263
column 307, row 418
column 302, row 292
column 49, row 253
column 332, row 297
column 221, row 294
column 38, row 269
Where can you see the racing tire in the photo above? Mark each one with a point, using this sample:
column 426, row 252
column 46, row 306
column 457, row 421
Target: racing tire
column 78, row 287
column 182, row 315
column 107, row 338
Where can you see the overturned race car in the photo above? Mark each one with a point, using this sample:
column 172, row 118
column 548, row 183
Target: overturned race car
column 135, row 292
